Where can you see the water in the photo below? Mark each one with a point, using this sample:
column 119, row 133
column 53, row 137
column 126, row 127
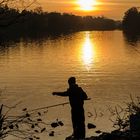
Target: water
column 105, row 64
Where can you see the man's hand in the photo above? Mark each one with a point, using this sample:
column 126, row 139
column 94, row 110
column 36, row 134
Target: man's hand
column 54, row 93
column 88, row 98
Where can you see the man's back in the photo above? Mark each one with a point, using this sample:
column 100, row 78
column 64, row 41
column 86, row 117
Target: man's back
column 76, row 96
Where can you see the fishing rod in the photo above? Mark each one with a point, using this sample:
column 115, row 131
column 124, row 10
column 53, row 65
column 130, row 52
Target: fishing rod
column 56, row 105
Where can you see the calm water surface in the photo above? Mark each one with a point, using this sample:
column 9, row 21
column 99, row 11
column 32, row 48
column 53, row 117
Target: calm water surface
column 106, row 65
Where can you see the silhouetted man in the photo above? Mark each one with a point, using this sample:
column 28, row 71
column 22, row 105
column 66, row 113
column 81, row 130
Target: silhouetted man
column 76, row 97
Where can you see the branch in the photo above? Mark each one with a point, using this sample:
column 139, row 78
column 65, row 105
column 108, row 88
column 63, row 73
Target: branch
column 16, row 18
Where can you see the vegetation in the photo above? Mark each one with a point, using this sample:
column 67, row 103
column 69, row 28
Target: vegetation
column 8, row 15
column 131, row 21
column 126, row 122
column 27, row 125
column 36, row 22
column 124, row 116
column 23, row 22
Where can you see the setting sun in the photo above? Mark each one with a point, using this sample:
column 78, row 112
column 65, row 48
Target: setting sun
column 86, row 5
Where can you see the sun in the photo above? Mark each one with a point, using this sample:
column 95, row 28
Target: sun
column 87, row 5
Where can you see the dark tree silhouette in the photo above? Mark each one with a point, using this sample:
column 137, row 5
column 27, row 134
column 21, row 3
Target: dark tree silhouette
column 35, row 23
column 131, row 20
column 10, row 11
column 23, row 4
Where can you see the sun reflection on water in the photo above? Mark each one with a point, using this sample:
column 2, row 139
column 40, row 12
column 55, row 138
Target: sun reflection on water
column 88, row 51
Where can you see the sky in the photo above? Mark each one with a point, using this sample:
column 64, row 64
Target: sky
column 109, row 8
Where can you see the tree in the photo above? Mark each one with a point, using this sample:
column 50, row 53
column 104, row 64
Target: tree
column 12, row 8
column 131, row 20
column 23, row 4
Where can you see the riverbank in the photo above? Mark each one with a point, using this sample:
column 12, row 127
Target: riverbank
column 127, row 125
column 114, row 135
column 117, row 135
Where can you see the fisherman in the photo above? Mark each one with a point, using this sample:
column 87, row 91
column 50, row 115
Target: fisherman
column 76, row 97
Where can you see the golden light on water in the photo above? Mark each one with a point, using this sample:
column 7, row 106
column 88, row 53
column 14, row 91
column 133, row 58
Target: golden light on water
column 86, row 5
column 87, row 51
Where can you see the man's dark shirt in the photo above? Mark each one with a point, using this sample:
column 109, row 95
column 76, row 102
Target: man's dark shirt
column 76, row 96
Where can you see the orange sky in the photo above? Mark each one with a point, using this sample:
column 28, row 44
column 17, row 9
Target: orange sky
column 109, row 8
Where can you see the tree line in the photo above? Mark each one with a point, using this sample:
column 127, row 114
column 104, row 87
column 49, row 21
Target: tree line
column 14, row 22
column 35, row 22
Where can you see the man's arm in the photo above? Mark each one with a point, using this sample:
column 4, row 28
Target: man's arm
column 65, row 93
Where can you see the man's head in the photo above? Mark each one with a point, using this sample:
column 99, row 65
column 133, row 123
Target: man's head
column 72, row 80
